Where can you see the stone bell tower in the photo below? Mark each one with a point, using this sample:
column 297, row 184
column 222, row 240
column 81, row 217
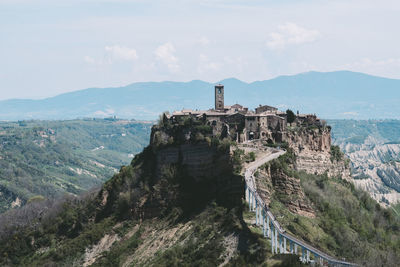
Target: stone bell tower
column 219, row 97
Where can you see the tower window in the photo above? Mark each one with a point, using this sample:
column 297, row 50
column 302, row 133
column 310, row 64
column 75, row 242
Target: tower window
column 219, row 90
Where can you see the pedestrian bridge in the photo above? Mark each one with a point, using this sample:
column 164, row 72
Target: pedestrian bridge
column 281, row 242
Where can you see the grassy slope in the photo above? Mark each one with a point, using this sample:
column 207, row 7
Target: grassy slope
column 50, row 158
column 348, row 224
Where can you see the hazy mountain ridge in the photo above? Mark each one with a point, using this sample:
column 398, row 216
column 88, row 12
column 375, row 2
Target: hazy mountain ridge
column 359, row 96
column 374, row 150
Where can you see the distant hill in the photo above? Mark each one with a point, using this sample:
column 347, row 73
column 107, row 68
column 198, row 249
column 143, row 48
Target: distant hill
column 332, row 95
column 52, row 158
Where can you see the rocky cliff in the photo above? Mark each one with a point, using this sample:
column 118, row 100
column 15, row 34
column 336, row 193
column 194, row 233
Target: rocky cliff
column 288, row 188
column 312, row 147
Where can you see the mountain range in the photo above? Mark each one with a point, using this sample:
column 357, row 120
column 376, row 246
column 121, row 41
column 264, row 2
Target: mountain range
column 332, row 95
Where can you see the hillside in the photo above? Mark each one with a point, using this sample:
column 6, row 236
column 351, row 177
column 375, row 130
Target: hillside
column 180, row 202
column 373, row 147
column 340, row 219
column 51, row 158
column 360, row 96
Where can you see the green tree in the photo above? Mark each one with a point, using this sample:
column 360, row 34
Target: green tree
column 290, row 116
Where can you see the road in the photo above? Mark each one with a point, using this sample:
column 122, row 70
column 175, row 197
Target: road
column 253, row 166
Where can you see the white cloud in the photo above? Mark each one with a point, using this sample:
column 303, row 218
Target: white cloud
column 367, row 62
column 204, row 41
column 104, row 113
column 117, row 52
column 205, row 64
column 290, row 33
column 350, row 113
column 166, row 54
column 113, row 53
column 89, row 60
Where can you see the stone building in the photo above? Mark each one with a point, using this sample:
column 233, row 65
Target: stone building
column 242, row 124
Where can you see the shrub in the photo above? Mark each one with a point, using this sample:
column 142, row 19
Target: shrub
column 336, row 154
column 290, row 116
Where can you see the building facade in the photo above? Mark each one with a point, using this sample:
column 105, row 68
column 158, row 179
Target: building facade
column 242, row 124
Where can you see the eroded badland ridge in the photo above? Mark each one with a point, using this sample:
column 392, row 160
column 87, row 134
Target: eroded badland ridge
column 181, row 201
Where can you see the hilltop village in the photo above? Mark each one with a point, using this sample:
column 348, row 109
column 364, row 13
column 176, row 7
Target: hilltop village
column 241, row 124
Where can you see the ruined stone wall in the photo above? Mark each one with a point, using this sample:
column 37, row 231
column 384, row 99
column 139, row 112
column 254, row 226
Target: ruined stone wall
column 276, row 123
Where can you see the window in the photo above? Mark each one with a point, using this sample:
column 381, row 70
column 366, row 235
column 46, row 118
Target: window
column 219, row 90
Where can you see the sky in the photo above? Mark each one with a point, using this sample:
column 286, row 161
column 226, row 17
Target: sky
column 48, row 47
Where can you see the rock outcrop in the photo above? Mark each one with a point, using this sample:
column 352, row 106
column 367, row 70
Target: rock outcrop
column 312, row 147
column 178, row 168
column 288, row 190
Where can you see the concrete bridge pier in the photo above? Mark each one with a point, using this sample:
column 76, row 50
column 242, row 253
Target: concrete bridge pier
column 276, row 240
column 284, row 245
column 249, row 199
column 268, row 227
column 319, row 260
column 295, row 248
column 303, row 254
column 254, row 201
column 257, row 211
column 308, row 256
column 291, row 249
column 272, row 240
column 263, row 224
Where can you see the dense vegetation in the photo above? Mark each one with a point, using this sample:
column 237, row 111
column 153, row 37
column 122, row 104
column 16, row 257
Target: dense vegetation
column 348, row 223
column 50, row 158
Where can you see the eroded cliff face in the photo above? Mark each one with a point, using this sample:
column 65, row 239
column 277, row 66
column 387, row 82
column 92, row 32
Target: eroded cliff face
column 179, row 168
column 375, row 168
column 312, row 147
column 288, row 189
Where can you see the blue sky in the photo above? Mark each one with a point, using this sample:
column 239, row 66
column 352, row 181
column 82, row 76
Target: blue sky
column 50, row 47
